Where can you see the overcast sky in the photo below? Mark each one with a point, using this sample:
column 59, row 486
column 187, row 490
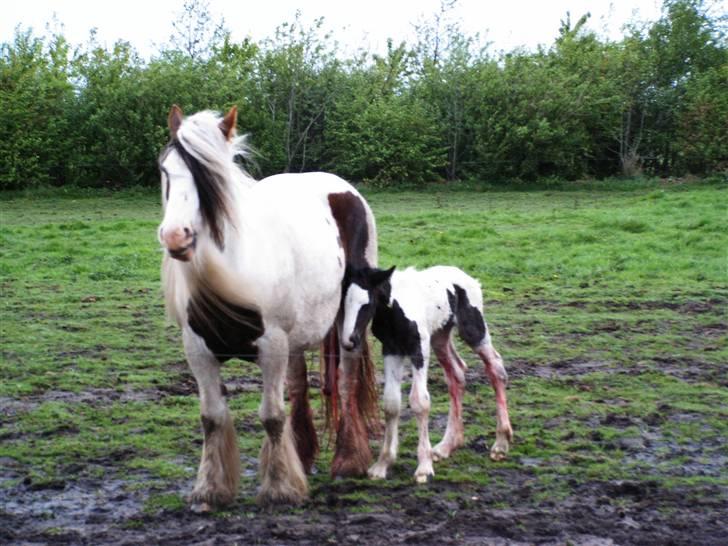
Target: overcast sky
column 146, row 23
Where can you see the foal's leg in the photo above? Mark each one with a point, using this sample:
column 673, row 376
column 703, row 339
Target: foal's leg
column 454, row 369
column 219, row 471
column 474, row 331
column 393, row 367
column 420, row 404
column 304, row 431
column 282, row 476
column 352, row 456
column 498, row 377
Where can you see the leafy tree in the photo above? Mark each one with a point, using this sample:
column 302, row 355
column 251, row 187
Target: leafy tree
column 381, row 132
column 36, row 95
column 294, row 91
column 702, row 138
column 446, row 58
column 195, row 33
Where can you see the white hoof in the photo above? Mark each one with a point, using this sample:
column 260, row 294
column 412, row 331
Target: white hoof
column 499, row 451
column 441, row 451
column 378, row 471
column 424, row 473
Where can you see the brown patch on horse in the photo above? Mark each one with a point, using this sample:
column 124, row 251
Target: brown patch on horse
column 351, row 219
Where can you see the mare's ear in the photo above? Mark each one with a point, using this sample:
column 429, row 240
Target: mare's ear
column 227, row 125
column 380, row 276
column 174, row 120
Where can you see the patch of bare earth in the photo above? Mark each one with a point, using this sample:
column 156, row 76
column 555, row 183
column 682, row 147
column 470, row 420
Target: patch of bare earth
column 596, row 513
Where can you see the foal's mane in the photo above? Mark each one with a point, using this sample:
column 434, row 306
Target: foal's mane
column 210, row 158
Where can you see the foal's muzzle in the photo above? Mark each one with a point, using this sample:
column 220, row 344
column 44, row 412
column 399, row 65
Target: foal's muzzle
column 352, row 343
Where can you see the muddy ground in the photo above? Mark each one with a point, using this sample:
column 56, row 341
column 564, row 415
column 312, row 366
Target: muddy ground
column 515, row 511
column 100, row 504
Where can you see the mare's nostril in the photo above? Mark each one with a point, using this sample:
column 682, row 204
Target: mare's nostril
column 187, row 232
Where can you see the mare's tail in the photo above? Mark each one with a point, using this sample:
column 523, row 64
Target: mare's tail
column 366, row 385
column 329, row 362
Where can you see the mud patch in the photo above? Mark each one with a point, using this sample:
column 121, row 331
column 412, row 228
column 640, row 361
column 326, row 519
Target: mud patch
column 595, row 513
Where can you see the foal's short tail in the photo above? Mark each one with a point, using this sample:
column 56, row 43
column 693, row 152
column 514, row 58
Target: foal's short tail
column 366, row 385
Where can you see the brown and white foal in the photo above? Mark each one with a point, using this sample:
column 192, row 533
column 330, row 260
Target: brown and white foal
column 412, row 311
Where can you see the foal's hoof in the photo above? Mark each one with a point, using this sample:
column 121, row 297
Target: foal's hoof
column 377, row 471
column 499, row 451
column 441, row 452
column 425, row 473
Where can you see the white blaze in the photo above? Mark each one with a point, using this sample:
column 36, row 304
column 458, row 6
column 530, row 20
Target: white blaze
column 181, row 208
column 356, row 298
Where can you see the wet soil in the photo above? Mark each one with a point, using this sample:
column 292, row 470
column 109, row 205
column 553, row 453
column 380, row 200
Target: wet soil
column 99, row 503
column 596, row 513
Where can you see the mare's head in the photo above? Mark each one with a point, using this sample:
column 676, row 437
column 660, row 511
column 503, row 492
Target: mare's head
column 363, row 290
column 196, row 167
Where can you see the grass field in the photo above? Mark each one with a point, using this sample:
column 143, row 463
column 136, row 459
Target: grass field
column 609, row 308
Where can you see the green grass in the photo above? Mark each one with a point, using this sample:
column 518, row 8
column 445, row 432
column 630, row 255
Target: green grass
column 609, row 308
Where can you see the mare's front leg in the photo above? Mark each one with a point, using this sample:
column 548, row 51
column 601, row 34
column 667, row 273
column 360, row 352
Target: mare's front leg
column 498, row 377
column 219, row 471
column 282, row 477
column 393, row 367
column 420, row 404
column 454, row 369
column 304, row 431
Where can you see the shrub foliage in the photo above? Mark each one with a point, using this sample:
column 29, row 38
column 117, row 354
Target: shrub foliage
column 444, row 108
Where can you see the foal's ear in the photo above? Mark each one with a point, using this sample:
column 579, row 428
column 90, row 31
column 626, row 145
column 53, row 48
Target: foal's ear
column 380, row 276
column 174, row 120
column 227, row 125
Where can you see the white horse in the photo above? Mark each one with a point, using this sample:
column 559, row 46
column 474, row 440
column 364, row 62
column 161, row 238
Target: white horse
column 254, row 271
column 413, row 311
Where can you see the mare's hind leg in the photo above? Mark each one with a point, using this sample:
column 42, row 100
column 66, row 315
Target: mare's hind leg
column 304, row 431
column 420, row 404
column 393, row 367
column 282, row 477
column 498, row 379
column 219, row 471
column 454, row 368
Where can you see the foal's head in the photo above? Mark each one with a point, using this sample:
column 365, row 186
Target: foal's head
column 195, row 167
column 363, row 290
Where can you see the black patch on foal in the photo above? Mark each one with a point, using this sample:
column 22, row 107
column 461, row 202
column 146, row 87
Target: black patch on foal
column 471, row 325
column 398, row 334
column 229, row 330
